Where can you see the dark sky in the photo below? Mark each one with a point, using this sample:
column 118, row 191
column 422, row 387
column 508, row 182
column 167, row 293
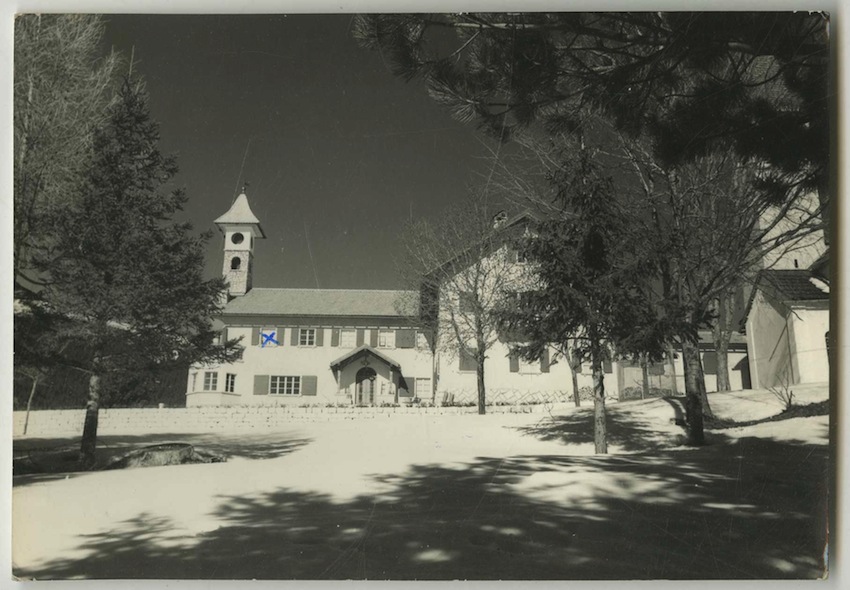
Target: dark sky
column 340, row 150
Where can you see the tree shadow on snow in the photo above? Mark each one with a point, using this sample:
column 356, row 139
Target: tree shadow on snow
column 752, row 509
column 625, row 431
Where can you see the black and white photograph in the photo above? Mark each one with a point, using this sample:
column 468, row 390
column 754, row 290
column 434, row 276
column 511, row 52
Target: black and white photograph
column 423, row 296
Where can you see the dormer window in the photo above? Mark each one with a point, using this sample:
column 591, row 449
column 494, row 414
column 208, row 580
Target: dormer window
column 235, row 263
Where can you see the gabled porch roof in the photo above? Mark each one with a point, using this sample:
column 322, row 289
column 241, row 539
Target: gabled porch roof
column 363, row 351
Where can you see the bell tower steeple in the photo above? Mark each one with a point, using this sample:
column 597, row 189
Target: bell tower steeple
column 240, row 228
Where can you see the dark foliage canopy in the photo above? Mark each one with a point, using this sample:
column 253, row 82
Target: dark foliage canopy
column 755, row 82
column 593, row 289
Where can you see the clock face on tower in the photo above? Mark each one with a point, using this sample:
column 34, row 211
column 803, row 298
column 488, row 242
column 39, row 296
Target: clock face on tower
column 237, row 238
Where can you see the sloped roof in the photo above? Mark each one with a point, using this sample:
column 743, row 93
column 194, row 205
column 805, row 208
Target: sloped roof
column 240, row 213
column 361, row 350
column 502, row 231
column 325, row 302
column 793, row 284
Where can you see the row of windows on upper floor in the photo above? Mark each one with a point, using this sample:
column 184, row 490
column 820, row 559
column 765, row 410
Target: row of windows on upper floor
column 270, row 337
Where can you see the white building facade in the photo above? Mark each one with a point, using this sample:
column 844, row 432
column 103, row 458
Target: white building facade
column 372, row 347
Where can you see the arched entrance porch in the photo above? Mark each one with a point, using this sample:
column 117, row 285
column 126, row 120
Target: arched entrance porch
column 364, row 383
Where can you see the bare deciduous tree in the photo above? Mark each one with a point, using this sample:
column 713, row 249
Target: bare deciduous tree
column 463, row 266
column 62, row 89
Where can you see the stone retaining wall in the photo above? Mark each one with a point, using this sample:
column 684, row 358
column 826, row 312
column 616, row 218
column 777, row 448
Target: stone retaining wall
column 46, row 423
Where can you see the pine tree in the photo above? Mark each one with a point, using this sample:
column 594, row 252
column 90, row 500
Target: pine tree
column 130, row 278
column 754, row 82
column 590, row 296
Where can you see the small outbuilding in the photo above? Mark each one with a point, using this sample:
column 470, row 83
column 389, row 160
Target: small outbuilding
column 787, row 328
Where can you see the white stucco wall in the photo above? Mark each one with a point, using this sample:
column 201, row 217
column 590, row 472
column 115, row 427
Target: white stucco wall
column 787, row 342
column 735, row 376
column 800, row 252
column 502, row 385
column 768, row 341
column 809, row 326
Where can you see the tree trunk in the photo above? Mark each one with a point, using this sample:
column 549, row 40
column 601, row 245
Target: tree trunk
column 29, row 403
column 89, row 442
column 481, row 391
column 722, row 352
column 600, row 428
column 671, row 356
column 574, row 376
column 644, row 370
column 693, row 396
column 722, row 334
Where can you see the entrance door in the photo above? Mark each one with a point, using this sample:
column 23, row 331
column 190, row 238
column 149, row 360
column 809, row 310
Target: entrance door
column 365, row 380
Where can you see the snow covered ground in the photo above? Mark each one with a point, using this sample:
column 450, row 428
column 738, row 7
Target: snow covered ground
column 510, row 496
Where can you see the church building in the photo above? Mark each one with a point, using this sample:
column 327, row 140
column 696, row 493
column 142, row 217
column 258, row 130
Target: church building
column 369, row 347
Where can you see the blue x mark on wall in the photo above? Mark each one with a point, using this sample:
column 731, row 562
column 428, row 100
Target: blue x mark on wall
column 268, row 338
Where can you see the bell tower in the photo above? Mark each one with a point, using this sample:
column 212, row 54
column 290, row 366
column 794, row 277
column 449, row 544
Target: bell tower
column 240, row 228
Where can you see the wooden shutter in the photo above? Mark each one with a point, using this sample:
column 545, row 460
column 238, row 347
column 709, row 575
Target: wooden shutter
column 335, row 337
column 405, row 338
column 544, row 360
column 261, row 384
column 607, row 367
column 255, row 336
column 360, row 336
column 294, row 336
column 514, row 361
column 320, row 336
column 308, row 384
column 658, row 368
column 709, row 363
column 404, row 389
column 373, row 337
column 279, row 333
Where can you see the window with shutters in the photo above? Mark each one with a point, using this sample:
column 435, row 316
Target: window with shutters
column 270, row 337
column 529, row 367
column 284, row 385
column 386, row 339
column 347, row 338
column 307, row 337
column 423, row 388
column 210, row 381
column 230, row 383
